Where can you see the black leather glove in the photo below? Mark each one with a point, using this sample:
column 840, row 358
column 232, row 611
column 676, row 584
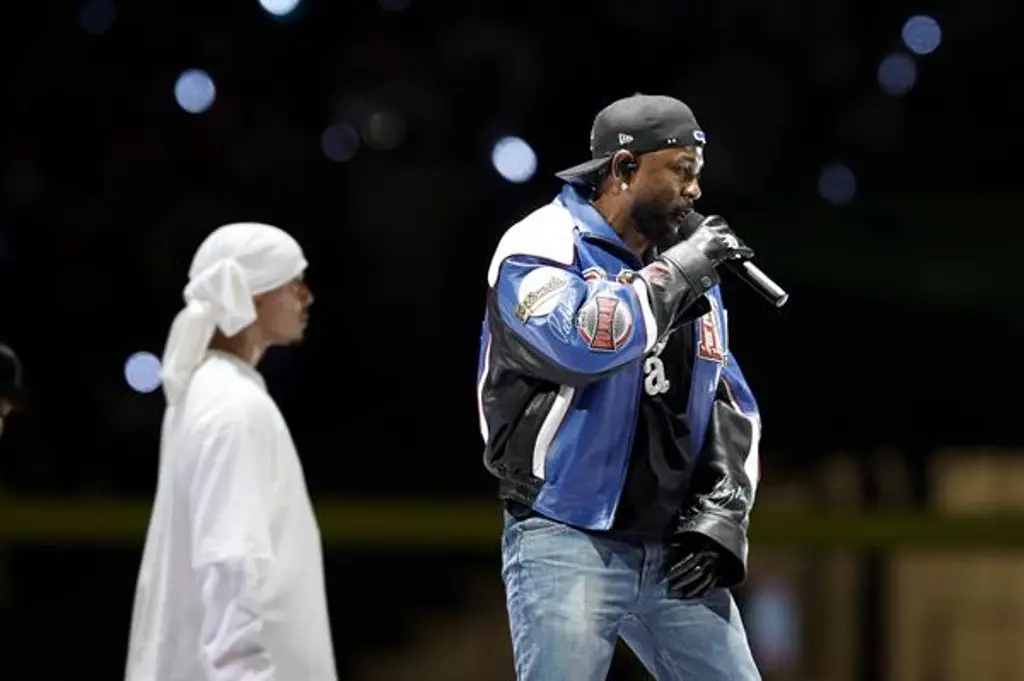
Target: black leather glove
column 712, row 238
column 692, row 567
column 682, row 273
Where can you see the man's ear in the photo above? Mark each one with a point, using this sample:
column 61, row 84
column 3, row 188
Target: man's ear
column 623, row 167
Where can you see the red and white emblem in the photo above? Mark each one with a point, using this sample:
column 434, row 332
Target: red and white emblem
column 604, row 323
column 711, row 343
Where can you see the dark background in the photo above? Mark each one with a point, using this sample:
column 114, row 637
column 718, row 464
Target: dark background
column 902, row 331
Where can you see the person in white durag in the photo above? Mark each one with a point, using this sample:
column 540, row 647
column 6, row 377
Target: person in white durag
column 231, row 586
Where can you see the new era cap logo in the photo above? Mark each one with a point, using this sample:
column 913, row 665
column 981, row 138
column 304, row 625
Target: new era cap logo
column 624, row 138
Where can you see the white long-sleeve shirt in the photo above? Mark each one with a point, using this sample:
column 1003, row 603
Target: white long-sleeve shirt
column 231, row 586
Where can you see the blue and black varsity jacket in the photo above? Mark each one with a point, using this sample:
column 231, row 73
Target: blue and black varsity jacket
column 571, row 316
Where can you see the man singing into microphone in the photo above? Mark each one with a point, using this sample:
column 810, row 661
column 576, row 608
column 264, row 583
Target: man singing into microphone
column 616, row 419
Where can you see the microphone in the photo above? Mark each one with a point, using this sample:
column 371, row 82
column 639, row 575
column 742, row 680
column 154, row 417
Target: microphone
column 750, row 273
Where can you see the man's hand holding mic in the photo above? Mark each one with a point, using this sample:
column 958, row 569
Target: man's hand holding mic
column 687, row 267
column 713, row 237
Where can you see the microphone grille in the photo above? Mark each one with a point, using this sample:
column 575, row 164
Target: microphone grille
column 691, row 222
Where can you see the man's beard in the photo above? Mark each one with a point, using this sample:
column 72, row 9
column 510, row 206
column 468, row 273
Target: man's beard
column 656, row 224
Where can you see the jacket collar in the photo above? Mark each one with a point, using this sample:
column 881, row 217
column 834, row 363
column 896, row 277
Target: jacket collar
column 588, row 220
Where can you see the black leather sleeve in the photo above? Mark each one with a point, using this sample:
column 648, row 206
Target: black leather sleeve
column 677, row 281
column 721, row 492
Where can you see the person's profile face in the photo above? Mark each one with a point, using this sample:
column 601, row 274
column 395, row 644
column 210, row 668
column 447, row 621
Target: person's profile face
column 667, row 185
column 283, row 313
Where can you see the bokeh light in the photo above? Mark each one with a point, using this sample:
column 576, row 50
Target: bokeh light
column 897, row 74
column 773, row 619
column 384, row 129
column 142, row 372
column 279, row 8
column 922, row 34
column 340, row 142
column 837, row 184
column 514, row 159
column 195, row 91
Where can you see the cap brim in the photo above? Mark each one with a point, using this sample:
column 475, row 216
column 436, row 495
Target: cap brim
column 584, row 172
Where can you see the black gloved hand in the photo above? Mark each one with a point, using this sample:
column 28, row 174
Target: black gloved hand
column 692, row 567
column 681, row 274
column 716, row 241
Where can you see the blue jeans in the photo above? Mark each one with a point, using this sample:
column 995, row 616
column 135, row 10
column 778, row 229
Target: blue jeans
column 571, row 594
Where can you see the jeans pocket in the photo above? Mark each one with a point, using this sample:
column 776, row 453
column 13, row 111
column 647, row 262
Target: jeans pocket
column 537, row 526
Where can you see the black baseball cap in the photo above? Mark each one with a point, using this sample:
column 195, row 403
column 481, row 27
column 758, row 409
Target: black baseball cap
column 639, row 124
column 11, row 382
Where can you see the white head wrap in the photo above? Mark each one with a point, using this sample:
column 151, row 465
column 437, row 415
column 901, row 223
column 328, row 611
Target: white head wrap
column 233, row 264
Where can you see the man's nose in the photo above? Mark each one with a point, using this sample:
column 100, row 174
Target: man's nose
column 692, row 190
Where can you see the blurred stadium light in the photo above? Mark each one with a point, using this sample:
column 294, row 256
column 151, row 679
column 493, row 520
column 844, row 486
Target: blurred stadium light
column 922, row 34
column 195, row 91
column 339, row 142
column 384, row 129
column 279, row 8
column 142, row 372
column 837, row 184
column 773, row 623
column 514, row 159
column 897, row 74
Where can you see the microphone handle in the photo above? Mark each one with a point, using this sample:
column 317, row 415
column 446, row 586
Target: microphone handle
column 752, row 275
column 745, row 270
